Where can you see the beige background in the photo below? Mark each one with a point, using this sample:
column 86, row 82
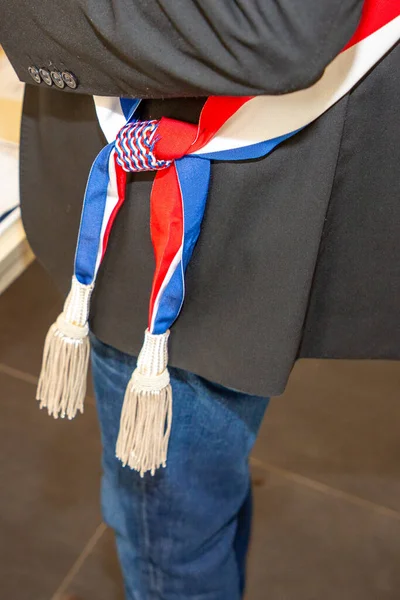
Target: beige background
column 11, row 92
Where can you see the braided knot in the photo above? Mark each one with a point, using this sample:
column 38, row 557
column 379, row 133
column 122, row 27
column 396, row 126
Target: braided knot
column 134, row 147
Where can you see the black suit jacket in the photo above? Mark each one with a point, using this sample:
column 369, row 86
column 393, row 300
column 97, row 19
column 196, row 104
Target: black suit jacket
column 300, row 251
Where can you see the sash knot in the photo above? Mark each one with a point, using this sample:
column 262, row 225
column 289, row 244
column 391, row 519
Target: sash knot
column 134, row 147
column 153, row 145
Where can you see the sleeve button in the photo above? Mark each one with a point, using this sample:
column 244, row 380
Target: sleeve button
column 70, row 80
column 34, row 73
column 58, row 80
column 45, row 75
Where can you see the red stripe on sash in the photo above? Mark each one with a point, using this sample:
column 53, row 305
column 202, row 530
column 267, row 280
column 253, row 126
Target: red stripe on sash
column 375, row 14
column 166, row 225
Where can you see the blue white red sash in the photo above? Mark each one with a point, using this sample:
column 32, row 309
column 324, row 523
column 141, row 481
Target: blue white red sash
column 227, row 131
column 229, row 128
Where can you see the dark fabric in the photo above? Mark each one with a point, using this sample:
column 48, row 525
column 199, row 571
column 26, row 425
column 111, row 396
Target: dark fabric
column 355, row 299
column 299, row 253
column 167, row 48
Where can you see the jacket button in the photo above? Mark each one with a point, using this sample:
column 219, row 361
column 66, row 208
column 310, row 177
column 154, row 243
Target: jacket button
column 70, row 80
column 34, row 73
column 45, row 75
column 58, row 80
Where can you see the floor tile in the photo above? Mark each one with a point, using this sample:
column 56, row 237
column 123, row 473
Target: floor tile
column 49, row 504
column 339, row 423
column 309, row 546
column 27, row 309
column 100, row 577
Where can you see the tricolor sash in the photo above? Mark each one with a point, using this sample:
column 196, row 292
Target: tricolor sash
column 229, row 128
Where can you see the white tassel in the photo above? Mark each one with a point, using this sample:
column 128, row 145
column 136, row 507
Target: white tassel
column 147, row 410
column 62, row 381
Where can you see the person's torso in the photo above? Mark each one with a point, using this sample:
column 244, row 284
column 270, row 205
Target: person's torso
column 306, row 237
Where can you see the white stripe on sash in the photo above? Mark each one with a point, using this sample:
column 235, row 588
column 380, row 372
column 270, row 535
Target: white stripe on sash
column 110, row 116
column 111, row 202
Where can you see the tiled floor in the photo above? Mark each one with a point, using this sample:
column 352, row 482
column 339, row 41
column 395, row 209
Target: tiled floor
column 327, row 464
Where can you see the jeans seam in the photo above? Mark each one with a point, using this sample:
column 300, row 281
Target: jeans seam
column 153, row 573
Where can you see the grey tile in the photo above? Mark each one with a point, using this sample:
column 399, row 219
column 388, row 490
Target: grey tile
column 100, row 576
column 27, row 309
column 338, row 423
column 310, row 546
column 49, row 508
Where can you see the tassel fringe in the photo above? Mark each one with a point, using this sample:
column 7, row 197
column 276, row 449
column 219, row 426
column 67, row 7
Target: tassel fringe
column 147, row 410
column 62, row 381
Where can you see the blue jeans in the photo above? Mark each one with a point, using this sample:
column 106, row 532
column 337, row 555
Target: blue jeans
column 183, row 533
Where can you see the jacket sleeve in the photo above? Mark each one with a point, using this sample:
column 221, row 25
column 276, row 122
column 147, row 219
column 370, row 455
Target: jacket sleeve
column 167, row 48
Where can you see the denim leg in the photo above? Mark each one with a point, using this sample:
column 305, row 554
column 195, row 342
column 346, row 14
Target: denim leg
column 182, row 534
